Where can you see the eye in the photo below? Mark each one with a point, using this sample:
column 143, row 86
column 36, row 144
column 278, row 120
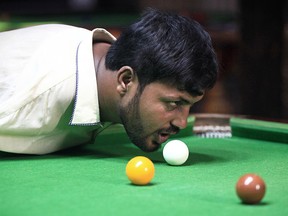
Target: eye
column 174, row 104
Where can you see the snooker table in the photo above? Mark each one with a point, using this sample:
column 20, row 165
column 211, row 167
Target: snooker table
column 91, row 180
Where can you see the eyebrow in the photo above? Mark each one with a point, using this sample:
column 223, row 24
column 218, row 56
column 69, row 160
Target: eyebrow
column 182, row 99
column 186, row 101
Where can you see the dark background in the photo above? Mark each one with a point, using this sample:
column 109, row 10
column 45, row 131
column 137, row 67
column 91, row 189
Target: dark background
column 250, row 38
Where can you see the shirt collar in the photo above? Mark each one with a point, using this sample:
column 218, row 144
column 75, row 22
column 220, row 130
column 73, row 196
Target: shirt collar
column 86, row 108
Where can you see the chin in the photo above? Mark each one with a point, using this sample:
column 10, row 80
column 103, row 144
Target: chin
column 149, row 146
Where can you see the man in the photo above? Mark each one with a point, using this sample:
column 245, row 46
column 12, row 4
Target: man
column 61, row 85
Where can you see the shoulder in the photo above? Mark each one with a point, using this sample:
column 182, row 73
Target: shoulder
column 43, row 31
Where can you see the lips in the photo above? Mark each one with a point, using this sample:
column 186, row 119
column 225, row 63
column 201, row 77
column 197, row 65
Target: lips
column 162, row 137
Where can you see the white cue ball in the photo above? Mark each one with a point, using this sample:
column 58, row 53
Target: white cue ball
column 175, row 152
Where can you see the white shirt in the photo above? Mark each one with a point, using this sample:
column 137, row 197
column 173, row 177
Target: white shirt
column 48, row 88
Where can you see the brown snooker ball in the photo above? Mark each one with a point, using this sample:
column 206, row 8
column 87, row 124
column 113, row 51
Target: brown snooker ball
column 250, row 188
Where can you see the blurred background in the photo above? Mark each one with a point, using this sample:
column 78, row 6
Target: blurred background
column 250, row 38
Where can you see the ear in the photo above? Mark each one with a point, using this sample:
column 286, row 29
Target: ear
column 125, row 78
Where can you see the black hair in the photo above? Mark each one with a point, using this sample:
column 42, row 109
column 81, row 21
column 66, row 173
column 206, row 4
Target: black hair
column 167, row 48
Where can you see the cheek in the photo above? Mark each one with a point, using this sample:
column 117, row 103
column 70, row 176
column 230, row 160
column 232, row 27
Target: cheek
column 154, row 115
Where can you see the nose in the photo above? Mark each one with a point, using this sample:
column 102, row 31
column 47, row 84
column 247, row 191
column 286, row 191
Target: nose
column 180, row 119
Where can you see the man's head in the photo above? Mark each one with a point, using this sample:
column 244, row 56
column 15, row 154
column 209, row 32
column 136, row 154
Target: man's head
column 167, row 48
column 172, row 61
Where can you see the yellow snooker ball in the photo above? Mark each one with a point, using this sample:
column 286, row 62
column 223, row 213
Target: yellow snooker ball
column 140, row 170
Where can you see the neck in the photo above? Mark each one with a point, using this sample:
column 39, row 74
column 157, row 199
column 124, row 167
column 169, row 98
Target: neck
column 106, row 84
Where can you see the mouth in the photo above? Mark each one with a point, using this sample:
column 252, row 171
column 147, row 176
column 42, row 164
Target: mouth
column 162, row 137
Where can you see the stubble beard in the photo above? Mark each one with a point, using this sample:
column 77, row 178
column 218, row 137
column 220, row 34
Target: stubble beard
column 131, row 120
